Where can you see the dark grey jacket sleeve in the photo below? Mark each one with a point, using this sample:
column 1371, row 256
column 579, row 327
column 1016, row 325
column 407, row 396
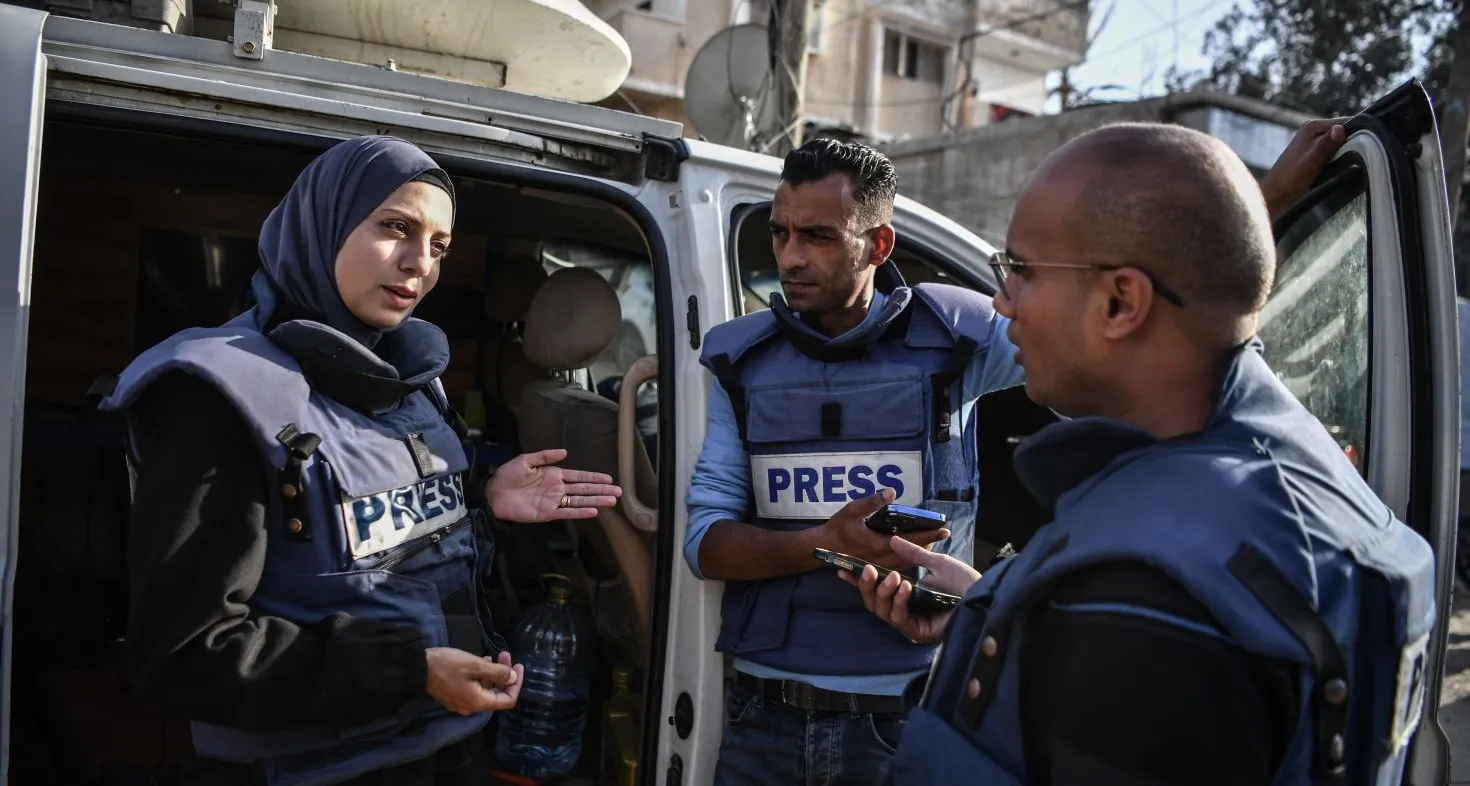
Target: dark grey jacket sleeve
column 196, row 548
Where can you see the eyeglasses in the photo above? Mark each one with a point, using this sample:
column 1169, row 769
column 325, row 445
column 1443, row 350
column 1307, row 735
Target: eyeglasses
column 1004, row 265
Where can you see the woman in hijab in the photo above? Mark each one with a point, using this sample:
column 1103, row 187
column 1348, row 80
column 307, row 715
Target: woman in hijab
column 306, row 563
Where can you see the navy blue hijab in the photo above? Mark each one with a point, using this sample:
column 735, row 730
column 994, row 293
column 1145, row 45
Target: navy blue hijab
column 295, row 291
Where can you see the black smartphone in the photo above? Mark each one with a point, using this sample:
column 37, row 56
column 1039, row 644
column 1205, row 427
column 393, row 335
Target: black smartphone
column 898, row 519
column 923, row 602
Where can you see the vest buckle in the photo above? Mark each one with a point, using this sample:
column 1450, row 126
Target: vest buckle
column 299, row 447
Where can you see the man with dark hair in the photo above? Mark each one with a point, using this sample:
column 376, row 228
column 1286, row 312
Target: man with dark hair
column 1219, row 598
column 836, row 401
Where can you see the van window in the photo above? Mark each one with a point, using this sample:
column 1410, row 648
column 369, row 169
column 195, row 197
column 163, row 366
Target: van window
column 755, row 263
column 1315, row 324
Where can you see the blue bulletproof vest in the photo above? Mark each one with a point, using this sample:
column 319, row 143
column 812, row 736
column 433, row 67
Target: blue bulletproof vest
column 827, row 421
column 1263, row 520
column 371, row 520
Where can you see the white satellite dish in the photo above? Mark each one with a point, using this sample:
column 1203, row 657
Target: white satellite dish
column 729, row 93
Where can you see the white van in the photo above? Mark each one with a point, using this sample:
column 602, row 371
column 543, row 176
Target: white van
column 137, row 167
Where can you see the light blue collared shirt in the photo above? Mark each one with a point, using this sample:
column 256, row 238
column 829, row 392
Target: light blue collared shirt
column 720, row 487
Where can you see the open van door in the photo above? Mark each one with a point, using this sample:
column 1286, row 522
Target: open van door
column 1361, row 327
column 22, row 84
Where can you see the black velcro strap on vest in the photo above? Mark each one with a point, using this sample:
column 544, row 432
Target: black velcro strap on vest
column 299, row 447
column 459, row 424
column 959, row 358
column 101, row 388
column 450, row 415
column 1264, row 580
column 725, row 372
column 831, row 419
column 97, row 392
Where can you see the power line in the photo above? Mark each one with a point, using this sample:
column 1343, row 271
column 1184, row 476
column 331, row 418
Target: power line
column 1175, row 8
column 1126, row 45
column 1154, row 12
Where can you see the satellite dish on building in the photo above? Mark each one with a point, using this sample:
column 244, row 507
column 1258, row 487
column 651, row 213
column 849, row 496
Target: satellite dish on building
column 728, row 91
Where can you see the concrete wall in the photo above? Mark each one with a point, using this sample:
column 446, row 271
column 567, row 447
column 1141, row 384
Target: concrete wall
column 974, row 176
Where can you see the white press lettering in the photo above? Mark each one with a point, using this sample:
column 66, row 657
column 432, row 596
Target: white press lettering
column 816, row 485
column 380, row 521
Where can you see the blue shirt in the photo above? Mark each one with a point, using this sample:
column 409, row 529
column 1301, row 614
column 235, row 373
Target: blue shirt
column 720, row 487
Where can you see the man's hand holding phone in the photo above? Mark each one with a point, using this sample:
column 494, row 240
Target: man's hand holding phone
column 847, row 533
column 889, row 599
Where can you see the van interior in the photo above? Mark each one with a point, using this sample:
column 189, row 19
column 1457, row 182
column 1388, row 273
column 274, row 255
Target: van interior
column 141, row 234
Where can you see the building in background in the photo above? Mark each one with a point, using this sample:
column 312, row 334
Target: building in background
column 974, row 176
column 876, row 69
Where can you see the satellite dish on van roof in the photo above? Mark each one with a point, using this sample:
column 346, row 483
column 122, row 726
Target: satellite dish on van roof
column 551, row 48
column 728, row 91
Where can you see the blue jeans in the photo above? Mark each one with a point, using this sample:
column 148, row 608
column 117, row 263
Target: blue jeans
column 767, row 743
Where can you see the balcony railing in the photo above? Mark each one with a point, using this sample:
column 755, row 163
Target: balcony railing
column 1060, row 23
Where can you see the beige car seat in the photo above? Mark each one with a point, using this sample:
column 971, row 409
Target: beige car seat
column 510, row 286
column 573, row 319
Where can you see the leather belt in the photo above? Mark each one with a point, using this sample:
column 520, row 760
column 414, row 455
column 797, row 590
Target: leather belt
column 801, row 696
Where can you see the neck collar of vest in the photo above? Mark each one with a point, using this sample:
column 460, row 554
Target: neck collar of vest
column 1062, row 456
column 369, row 381
column 892, row 318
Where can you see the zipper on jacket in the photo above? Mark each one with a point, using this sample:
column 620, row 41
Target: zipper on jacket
column 394, row 559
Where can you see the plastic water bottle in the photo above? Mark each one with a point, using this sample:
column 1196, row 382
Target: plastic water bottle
column 542, row 736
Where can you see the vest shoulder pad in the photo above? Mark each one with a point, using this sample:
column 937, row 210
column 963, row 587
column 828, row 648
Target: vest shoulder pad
column 1166, row 481
column 262, row 382
column 1187, row 510
column 1191, row 513
column 735, row 337
column 956, row 313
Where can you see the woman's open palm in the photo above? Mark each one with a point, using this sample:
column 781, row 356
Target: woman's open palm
column 530, row 488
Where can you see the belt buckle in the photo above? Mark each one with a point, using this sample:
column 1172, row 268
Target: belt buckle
column 803, row 696
column 793, row 693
